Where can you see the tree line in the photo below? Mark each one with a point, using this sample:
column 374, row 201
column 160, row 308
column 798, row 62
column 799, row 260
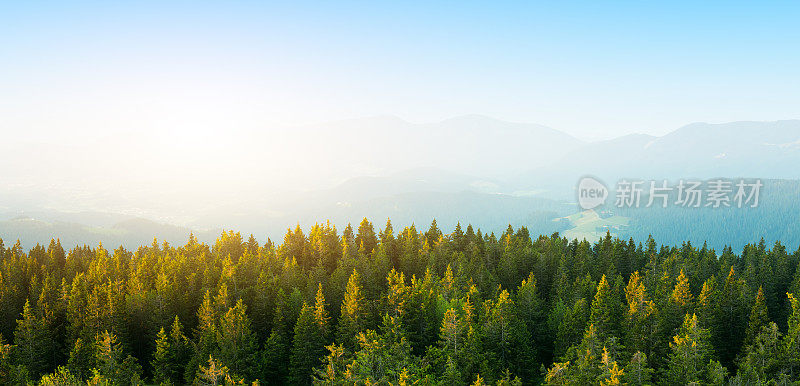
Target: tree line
column 413, row 307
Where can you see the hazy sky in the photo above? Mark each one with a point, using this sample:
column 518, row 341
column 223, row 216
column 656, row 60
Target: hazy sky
column 194, row 68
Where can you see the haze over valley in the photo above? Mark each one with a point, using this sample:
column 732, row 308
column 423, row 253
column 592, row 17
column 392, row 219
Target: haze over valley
column 468, row 169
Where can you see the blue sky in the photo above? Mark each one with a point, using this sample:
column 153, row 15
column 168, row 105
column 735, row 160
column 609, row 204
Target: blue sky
column 592, row 69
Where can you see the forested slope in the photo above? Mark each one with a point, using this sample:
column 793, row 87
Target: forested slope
column 408, row 307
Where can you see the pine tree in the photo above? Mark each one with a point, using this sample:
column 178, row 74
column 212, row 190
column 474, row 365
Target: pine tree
column 640, row 316
column 214, row 374
column 310, row 339
column 366, row 238
column 791, row 342
column 451, row 334
column 10, row 374
column 637, row 372
column 180, row 349
column 237, row 343
column 383, row 358
column 583, row 362
column 162, row 363
column 533, row 332
column 205, row 343
column 682, row 295
column 61, row 377
column 759, row 318
column 433, row 234
column 610, row 372
column 321, row 316
column 691, row 354
column 762, row 357
column 276, row 350
column 111, row 362
column 502, row 333
column 334, row 369
column 353, row 315
column 34, row 343
column 570, row 323
column 171, row 355
column 730, row 318
column 452, row 374
column 81, row 358
column 605, row 308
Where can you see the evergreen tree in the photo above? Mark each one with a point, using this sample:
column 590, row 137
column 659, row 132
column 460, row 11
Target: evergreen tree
column 605, row 309
column 759, row 318
column 171, row 355
column 610, row 372
column 730, row 318
column 791, row 342
column 762, row 357
column 533, row 333
column 433, row 234
column 453, row 311
column 112, row 364
column 640, row 317
column 214, row 374
column 10, row 374
column 276, row 350
column 162, row 363
column 61, row 377
column 682, row 295
column 583, row 362
column 205, row 343
column 637, row 372
column 34, row 343
column 310, row 339
column 81, row 358
column 690, row 359
column 366, row 238
column 353, row 315
column 237, row 343
column 384, row 358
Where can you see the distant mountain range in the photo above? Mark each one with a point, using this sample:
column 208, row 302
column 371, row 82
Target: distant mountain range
column 700, row 150
column 471, row 144
column 469, row 169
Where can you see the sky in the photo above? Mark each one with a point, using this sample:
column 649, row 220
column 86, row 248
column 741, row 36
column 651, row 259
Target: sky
column 596, row 70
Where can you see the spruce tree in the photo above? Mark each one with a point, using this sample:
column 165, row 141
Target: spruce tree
column 353, row 315
column 112, row 364
column 366, row 238
column 762, row 358
column 237, row 342
column 791, row 342
column 275, row 357
column 533, row 331
column 759, row 318
column 215, row 374
column 637, row 372
column 730, row 318
column 81, row 358
column 162, row 362
column 691, row 357
column 604, row 312
column 640, row 316
column 310, row 339
column 34, row 343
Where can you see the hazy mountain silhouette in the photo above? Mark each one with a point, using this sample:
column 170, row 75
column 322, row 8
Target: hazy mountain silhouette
column 469, row 169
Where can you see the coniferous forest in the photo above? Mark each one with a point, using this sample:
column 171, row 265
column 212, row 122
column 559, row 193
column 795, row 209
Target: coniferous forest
column 371, row 305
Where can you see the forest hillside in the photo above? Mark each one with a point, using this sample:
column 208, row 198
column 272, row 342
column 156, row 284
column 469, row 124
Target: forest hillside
column 409, row 306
